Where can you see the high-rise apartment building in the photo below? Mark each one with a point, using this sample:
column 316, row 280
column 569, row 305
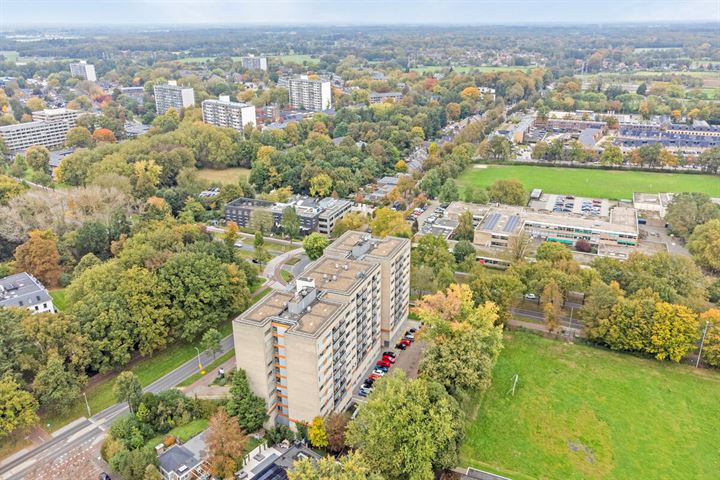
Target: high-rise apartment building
column 306, row 94
column 393, row 256
column 307, row 349
column 173, row 96
column 83, row 70
column 224, row 113
column 254, row 63
column 49, row 128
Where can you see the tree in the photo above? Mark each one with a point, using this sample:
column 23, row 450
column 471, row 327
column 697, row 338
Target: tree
column 349, row 467
column 321, row 185
column 433, row 251
column 464, row 250
column 449, row 191
column 290, row 222
column 471, row 94
column 211, row 341
column 501, row 289
column 582, row 245
column 553, row 252
column 127, row 389
column 389, row 222
column 152, row 473
column 416, row 420
column 56, row 387
column 510, row 192
column 674, row 331
column 704, row 244
column 246, row 406
column 17, row 407
column 39, row 256
column 351, row 221
column 260, row 254
column 262, row 221
column 314, row 245
column 38, row 157
column 552, row 299
column 133, row 464
column 688, row 210
column 335, row 426
column 612, row 155
column 466, row 228
column 709, row 160
column 35, row 104
column 518, row 247
column 104, row 135
column 464, row 342
column 317, row 434
column 226, row 445
column 711, row 349
column 93, row 238
column 79, row 137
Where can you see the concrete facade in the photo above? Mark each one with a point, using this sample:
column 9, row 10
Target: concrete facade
column 224, row 113
column 83, row 70
column 306, row 94
column 172, row 96
column 49, row 128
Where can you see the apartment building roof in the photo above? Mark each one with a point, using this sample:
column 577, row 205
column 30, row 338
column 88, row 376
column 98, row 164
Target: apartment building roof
column 22, row 290
column 357, row 245
column 338, row 275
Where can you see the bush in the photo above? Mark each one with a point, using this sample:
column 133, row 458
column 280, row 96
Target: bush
column 278, row 434
column 169, row 440
column 583, row 245
column 111, row 447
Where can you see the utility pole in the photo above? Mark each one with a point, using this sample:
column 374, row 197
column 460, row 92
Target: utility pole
column 702, row 343
column 198, row 358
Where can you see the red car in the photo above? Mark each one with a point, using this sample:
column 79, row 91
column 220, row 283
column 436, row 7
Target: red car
column 387, row 358
column 383, row 363
column 405, row 342
column 374, row 376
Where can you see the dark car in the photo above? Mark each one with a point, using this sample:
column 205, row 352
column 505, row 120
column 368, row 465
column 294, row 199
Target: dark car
column 104, row 476
column 389, row 354
column 412, row 330
column 401, row 346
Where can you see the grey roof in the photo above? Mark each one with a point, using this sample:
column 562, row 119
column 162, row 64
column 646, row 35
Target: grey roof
column 22, row 290
column 57, row 155
column 176, row 457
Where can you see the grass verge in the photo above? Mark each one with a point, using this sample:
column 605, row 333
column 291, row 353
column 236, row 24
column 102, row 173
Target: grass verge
column 59, row 300
column 214, row 364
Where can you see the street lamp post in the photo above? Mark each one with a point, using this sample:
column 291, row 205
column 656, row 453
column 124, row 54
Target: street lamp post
column 198, row 358
column 702, row 343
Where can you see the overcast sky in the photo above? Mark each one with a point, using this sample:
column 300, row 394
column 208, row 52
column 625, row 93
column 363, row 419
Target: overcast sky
column 344, row 12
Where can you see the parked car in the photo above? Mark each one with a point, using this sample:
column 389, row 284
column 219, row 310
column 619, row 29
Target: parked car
column 390, row 360
column 401, row 346
column 412, row 330
column 389, row 354
column 104, row 476
column 409, row 336
column 375, row 376
column 383, row 363
column 530, row 296
column 405, row 342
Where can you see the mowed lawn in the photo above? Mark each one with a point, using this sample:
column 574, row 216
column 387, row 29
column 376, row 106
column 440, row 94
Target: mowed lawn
column 611, row 184
column 584, row 413
column 225, row 175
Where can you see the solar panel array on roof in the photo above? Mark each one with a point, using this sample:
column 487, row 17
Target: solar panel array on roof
column 272, row 472
column 511, row 223
column 492, row 221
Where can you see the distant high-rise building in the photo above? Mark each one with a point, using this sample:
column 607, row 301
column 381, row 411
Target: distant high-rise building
column 306, row 94
column 224, row 113
column 49, row 128
column 172, row 96
column 254, row 63
column 83, row 70
column 135, row 93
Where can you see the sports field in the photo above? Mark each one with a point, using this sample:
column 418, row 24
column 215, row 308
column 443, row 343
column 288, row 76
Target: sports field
column 611, row 184
column 580, row 412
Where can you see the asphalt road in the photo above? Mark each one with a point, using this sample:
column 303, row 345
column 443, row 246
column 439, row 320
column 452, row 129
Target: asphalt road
column 91, row 430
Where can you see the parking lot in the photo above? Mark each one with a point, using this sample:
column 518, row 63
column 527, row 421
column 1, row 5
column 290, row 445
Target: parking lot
column 408, row 359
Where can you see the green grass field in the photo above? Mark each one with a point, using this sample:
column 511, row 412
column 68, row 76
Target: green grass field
column 224, row 176
column 296, row 58
column 584, row 413
column 59, row 299
column 611, row 184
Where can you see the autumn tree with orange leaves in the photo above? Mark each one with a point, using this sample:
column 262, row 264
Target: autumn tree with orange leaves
column 226, row 444
column 39, row 257
column 104, row 135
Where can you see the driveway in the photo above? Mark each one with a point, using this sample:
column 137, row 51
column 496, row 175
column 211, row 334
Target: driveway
column 659, row 234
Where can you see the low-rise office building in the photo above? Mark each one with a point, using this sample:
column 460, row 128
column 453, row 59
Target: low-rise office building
column 252, row 62
column 224, row 113
column 135, row 93
column 573, row 125
column 49, row 128
column 393, row 256
column 22, row 290
column 504, row 222
column 319, row 215
column 378, row 97
column 83, row 70
column 173, row 96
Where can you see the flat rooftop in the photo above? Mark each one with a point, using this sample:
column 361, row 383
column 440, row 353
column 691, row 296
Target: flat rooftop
column 274, row 307
column 455, row 209
column 370, row 246
column 623, row 216
column 338, row 275
column 506, row 221
column 22, row 290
